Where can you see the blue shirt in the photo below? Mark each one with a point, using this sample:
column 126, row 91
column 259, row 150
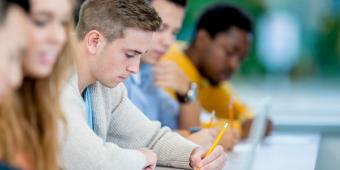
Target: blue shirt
column 151, row 100
column 87, row 99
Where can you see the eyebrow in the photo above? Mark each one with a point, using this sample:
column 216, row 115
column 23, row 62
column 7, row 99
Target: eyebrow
column 134, row 51
column 43, row 13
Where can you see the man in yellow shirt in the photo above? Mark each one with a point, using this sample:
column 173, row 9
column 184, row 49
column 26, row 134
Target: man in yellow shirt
column 220, row 42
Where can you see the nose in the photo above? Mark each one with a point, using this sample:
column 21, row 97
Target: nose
column 167, row 39
column 133, row 65
column 233, row 63
column 57, row 35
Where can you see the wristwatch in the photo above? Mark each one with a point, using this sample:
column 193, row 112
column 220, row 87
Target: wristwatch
column 194, row 129
column 190, row 95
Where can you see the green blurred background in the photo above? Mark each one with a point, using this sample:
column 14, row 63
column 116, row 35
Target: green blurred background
column 319, row 35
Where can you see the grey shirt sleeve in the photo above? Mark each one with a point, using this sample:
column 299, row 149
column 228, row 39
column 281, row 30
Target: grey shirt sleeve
column 130, row 128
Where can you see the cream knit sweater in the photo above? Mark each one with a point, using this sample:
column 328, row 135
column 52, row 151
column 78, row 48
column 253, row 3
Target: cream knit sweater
column 119, row 129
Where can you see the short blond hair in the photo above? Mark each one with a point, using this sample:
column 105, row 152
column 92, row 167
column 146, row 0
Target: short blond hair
column 111, row 17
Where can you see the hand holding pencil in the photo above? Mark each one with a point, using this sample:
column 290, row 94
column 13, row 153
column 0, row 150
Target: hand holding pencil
column 230, row 138
column 209, row 158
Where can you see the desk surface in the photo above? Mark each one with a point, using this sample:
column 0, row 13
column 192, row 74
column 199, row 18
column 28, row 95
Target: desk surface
column 287, row 151
column 280, row 152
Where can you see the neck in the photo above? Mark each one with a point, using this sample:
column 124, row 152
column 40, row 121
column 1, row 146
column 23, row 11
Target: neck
column 85, row 77
column 193, row 55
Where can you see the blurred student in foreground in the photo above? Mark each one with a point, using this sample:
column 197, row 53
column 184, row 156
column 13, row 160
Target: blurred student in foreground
column 13, row 41
column 13, row 24
column 31, row 117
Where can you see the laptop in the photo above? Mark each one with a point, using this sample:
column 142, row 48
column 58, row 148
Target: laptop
column 243, row 155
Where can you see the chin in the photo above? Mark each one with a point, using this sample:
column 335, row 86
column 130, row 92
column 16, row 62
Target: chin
column 155, row 57
column 150, row 60
column 110, row 85
column 214, row 82
column 40, row 74
column 46, row 73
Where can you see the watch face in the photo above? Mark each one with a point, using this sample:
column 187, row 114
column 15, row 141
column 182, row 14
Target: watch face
column 189, row 96
column 193, row 91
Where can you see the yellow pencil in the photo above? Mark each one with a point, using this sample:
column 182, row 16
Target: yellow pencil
column 218, row 138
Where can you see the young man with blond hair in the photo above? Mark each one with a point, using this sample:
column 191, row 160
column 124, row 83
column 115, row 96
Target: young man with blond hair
column 105, row 130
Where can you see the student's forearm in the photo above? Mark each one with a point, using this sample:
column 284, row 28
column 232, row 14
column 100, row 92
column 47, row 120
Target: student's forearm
column 82, row 149
column 130, row 128
column 189, row 115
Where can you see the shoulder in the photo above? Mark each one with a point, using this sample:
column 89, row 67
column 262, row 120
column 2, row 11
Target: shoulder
column 71, row 101
column 70, row 91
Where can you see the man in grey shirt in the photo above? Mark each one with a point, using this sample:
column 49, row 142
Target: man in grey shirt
column 105, row 130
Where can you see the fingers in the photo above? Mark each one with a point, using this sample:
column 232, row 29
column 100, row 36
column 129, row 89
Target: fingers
column 163, row 72
column 173, row 81
column 164, row 66
column 215, row 160
column 159, row 70
column 151, row 158
column 196, row 157
column 164, row 84
column 168, row 75
column 164, row 77
column 217, row 164
column 216, row 153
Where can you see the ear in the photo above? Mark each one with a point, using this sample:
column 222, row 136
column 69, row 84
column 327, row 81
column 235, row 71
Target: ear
column 94, row 41
column 202, row 38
